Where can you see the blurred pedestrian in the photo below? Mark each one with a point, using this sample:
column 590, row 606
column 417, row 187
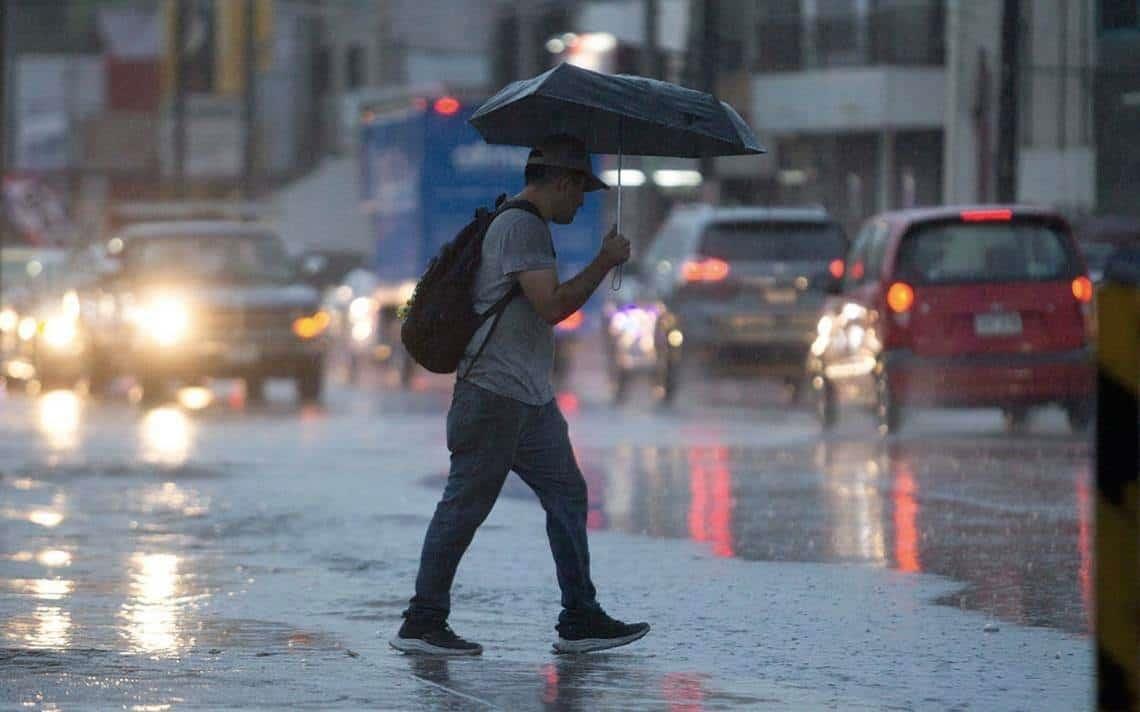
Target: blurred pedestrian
column 504, row 416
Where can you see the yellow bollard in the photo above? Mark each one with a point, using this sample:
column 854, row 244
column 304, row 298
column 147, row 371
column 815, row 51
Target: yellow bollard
column 1117, row 459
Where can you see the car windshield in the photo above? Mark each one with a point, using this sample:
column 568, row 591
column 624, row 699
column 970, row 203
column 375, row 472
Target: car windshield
column 22, row 275
column 767, row 241
column 242, row 257
column 984, row 252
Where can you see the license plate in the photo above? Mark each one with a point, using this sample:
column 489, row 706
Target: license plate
column 997, row 324
column 780, row 296
column 243, row 353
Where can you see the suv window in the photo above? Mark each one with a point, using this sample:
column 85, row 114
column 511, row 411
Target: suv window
column 760, row 241
column 865, row 262
column 984, row 252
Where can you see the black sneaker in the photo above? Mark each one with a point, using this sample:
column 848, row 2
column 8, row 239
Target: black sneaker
column 432, row 639
column 596, row 631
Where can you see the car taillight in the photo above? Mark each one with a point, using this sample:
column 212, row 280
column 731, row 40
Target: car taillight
column 900, row 297
column 446, row 106
column 835, row 269
column 1082, row 289
column 710, row 269
column 992, row 215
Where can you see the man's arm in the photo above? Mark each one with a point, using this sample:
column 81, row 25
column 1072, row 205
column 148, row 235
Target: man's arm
column 553, row 301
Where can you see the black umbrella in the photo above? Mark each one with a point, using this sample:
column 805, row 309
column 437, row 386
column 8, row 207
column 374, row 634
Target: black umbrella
column 620, row 114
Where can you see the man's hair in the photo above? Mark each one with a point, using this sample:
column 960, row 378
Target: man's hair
column 545, row 175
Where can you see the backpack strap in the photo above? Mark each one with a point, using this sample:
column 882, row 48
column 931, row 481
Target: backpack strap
column 496, row 311
column 501, row 206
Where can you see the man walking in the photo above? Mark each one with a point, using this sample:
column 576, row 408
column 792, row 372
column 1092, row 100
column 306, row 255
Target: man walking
column 504, row 417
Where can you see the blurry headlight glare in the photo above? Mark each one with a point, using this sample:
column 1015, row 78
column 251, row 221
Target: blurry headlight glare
column 71, row 304
column 27, row 328
column 360, row 309
column 361, row 331
column 8, row 319
column 59, row 331
column 165, row 319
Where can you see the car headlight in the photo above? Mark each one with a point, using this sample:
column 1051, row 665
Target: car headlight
column 59, row 331
column 9, row 319
column 165, row 319
column 310, row 327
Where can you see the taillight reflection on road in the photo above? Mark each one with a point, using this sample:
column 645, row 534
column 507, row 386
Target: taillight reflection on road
column 710, row 504
column 906, row 520
column 683, row 692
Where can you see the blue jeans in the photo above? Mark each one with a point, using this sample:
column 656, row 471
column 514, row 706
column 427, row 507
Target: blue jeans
column 488, row 436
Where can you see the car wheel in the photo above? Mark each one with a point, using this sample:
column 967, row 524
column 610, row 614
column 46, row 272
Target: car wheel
column 1016, row 419
column 154, row 390
column 666, row 379
column 311, row 383
column 793, row 389
column 255, row 389
column 1080, row 415
column 99, row 376
column 619, row 385
column 826, row 405
column 888, row 410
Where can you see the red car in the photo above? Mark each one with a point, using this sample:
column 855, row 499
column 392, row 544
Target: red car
column 985, row 306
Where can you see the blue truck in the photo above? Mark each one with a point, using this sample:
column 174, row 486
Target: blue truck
column 423, row 172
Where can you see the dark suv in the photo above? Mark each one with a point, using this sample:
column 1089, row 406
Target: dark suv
column 731, row 291
column 200, row 299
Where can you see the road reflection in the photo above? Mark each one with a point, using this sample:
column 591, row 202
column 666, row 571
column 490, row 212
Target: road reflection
column 153, row 611
column 166, row 436
column 58, row 419
column 1012, row 520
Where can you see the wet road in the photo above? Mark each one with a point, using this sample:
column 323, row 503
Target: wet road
column 216, row 553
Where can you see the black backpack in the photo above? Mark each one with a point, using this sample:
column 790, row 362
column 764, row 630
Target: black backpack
column 441, row 318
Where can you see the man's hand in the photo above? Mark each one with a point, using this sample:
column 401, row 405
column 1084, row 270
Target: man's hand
column 615, row 248
column 553, row 301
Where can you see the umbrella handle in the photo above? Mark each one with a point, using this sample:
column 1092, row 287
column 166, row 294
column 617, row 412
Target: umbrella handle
column 615, row 282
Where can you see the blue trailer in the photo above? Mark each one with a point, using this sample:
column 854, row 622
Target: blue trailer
column 423, row 172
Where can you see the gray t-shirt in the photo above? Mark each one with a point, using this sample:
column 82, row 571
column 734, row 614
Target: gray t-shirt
column 519, row 357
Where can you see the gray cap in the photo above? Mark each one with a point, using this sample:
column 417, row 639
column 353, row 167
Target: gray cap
column 566, row 152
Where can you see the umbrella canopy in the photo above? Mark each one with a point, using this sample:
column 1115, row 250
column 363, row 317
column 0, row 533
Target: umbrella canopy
column 620, row 114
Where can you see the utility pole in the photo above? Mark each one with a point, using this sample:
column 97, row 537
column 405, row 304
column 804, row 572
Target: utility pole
column 710, row 25
column 249, row 103
column 1008, row 101
column 178, row 97
column 5, row 125
column 651, row 55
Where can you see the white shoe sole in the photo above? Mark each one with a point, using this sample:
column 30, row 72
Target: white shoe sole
column 589, row 645
column 422, row 647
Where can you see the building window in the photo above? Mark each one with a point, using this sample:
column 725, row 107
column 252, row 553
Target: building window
column 908, row 32
column 354, row 67
column 779, row 36
column 837, row 29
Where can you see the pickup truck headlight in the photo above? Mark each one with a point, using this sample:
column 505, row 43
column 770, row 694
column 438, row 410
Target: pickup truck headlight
column 165, row 319
column 310, row 327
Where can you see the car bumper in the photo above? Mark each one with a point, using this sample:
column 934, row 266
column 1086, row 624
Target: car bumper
column 224, row 359
column 991, row 379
